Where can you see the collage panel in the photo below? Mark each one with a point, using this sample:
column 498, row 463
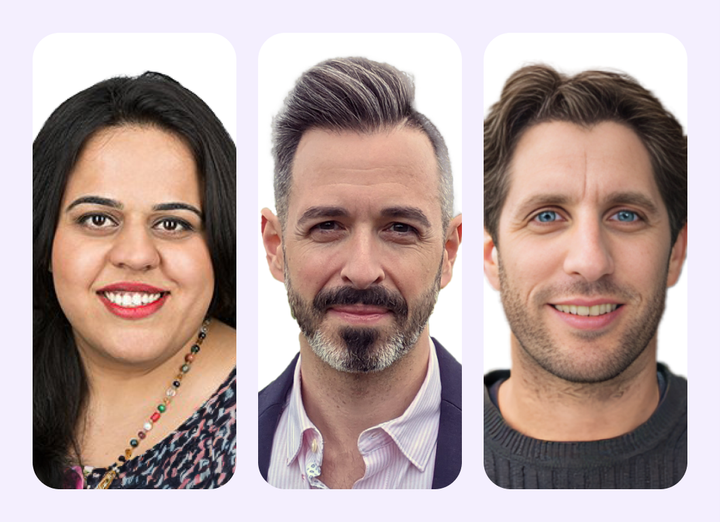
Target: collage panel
column 359, row 198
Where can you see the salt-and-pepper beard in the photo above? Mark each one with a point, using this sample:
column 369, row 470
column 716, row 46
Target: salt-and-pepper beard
column 536, row 340
column 362, row 349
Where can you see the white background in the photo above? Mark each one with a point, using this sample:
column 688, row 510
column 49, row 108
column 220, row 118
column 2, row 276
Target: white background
column 65, row 64
column 659, row 63
column 472, row 25
column 434, row 62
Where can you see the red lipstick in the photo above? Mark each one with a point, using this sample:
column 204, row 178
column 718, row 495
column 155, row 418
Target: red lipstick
column 131, row 311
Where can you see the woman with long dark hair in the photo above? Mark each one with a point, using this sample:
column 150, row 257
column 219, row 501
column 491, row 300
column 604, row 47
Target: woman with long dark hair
column 134, row 290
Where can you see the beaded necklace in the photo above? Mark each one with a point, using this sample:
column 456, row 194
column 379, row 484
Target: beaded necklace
column 161, row 408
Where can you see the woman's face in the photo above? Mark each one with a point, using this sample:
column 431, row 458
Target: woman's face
column 130, row 262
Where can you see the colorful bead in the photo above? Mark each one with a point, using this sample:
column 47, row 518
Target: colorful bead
column 161, row 408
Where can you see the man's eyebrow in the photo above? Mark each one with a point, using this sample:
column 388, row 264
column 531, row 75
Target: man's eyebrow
column 615, row 198
column 95, row 200
column 322, row 212
column 178, row 206
column 411, row 213
column 633, row 198
column 541, row 200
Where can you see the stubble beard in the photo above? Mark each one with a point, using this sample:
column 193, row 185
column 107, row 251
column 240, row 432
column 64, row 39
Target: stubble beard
column 571, row 363
column 362, row 349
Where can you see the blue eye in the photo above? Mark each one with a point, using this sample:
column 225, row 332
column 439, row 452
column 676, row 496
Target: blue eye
column 626, row 216
column 547, row 216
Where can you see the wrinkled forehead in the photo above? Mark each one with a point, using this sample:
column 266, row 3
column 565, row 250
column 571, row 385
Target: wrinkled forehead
column 577, row 163
column 360, row 169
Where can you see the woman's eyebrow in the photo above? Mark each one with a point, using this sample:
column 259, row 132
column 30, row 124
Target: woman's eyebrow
column 95, row 200
column 178, row 206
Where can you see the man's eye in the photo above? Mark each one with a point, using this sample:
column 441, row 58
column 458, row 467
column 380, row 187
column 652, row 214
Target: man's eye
column 326, row 225
column 401, row 228
column 547, row 216
column 625, row 216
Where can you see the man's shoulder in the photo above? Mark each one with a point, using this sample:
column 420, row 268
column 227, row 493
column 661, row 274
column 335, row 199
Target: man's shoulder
column 276, row 392
column 450, row 375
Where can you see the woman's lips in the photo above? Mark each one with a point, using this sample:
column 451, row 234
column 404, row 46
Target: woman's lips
column 359, row 314
column 132, row 300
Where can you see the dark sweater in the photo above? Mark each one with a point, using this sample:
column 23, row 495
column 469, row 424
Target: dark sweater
column 652, row 456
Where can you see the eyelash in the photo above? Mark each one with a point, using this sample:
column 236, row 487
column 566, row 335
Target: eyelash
column 536, row 217
column 86, row 220
column 338, row 226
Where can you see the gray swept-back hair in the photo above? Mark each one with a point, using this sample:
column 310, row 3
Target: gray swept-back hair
column 536, row 94
column 351, row 94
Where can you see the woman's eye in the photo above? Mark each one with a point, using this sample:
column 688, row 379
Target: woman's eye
column 96, row 221
column 547, row 216
column 173, row 225
column 626, row 216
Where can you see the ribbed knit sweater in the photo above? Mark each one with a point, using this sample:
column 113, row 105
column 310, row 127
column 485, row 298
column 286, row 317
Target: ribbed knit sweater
column 652, row 456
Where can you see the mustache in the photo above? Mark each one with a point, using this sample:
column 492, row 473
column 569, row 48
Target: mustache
column 601, row 287
column 373, row 296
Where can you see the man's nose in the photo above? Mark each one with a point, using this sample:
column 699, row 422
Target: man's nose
column 134, row 248
column 363, row 267
column 589, row 253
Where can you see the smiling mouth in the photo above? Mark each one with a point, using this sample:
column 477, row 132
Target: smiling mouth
column 132, row 299
column 590, row 311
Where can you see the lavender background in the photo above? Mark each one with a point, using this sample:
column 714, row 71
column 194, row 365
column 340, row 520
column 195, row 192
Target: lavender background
column 472, row 26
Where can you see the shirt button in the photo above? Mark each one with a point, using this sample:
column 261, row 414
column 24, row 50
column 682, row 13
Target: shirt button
column 314, row 446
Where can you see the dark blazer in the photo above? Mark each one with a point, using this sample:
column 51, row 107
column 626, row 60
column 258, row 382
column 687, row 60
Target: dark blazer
column 448, row 458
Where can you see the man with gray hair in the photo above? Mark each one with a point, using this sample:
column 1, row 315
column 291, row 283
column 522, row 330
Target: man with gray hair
column 364, row 239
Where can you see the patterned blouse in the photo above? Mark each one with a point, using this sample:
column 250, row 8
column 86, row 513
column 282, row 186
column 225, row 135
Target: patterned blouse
column 200, row 454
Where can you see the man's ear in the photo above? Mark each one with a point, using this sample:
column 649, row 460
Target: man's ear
column 272, row 240
column 677, row 257
column 490, row 261
column 453, row 238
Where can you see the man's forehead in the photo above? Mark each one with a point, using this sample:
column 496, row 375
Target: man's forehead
column 569, row 163
column 396, row 165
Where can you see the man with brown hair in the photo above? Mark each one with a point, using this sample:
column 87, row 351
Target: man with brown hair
column 585, row 228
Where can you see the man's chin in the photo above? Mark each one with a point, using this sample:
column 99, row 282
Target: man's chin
column 357, row 350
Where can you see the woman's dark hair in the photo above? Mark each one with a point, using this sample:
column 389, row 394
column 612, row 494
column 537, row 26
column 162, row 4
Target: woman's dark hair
column 60, row 385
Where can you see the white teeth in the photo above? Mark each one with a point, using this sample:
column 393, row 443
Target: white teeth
column 587, row 310
column 131, row 299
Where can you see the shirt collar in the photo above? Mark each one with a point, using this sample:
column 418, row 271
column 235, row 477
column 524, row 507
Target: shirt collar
column 422, row 418
column 422, row 414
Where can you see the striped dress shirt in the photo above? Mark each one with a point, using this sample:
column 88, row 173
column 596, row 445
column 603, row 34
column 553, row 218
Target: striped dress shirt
column 398, row 454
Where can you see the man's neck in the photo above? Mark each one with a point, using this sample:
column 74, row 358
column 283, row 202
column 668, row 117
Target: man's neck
column 343, row 405
column 545, row 407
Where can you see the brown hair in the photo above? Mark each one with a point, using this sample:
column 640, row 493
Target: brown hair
column 538, row 93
